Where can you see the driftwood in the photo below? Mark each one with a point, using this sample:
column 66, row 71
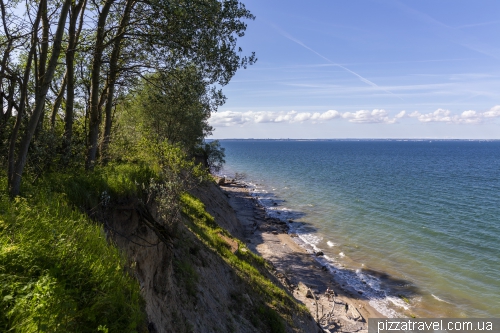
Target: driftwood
column 316, row 302
column 331, row 298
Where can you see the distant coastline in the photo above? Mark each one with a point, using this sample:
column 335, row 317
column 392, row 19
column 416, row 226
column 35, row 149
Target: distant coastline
column 357, row 139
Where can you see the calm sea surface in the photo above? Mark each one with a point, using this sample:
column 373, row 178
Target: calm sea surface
column 412, row 225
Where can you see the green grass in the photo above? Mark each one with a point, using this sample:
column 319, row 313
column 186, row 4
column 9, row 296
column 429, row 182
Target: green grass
column 88, row 189
column 249, row 266
column 58, row 273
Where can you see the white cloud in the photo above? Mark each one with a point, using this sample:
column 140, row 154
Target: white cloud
column 263, row 117
column 285, row 117
column 330, row 114
column 301, row 117
column 493, row 112
column 401, row 114
column 469, row 117
column 436, row 116
column 231, row 118
column 466, row 117
column 365, row 116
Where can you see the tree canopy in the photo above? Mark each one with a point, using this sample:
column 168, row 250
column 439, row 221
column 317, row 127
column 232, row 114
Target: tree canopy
column 175, row 106
column 68, row 66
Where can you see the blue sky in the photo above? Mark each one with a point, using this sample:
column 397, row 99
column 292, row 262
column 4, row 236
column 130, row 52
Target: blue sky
column 367, row 69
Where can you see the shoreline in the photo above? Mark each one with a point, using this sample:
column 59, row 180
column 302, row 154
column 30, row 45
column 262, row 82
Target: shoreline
column 336, row 307
column 425, row 248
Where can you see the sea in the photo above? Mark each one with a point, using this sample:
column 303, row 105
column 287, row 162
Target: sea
column 413, row 226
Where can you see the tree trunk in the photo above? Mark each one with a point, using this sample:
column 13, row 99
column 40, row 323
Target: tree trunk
column 58, row 101
column 70, row 71
column 113, row 73
column 95, row 110
column 4, row 116
column 22, row 105
column 15, row 184
column 42, row 63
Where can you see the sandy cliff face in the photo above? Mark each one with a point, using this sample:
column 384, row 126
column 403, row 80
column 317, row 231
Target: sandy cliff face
column 188, row 286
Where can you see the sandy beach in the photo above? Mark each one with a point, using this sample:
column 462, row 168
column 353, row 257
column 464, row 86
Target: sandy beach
column 335, row 307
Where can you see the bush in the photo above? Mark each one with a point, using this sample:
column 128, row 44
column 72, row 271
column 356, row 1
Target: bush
column 213, row 155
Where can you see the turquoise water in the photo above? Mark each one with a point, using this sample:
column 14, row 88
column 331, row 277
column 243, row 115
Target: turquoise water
column 414, row 220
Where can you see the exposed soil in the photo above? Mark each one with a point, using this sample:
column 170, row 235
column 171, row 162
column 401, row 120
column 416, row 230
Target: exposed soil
column 188, row 287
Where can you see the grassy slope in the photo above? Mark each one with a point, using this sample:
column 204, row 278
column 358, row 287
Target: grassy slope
column 58, row 273
column 276, row 307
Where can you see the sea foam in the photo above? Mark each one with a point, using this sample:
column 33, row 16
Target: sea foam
column 354, row 281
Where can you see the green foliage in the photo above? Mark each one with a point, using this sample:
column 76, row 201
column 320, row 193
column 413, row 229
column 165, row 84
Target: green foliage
column 57, row 271
column 201, row 32
column 214, row 155
column 5, row 130
column 272, row 319
column 130, row 144
column 88, row 189
column 171, row 106
column 173, row 160
column 249, row 266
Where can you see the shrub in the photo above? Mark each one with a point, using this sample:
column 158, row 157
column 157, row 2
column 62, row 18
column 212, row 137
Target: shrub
column 213, row 154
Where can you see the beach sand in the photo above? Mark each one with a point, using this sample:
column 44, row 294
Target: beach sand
column 336, row 308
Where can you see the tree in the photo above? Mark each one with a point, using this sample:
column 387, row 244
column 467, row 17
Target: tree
column 77, row 9
column 96, row 96
column 175, row 106
column 114, row 69
column 80, row 58
column 214, row 155
column 171, row 34
column 17, row 163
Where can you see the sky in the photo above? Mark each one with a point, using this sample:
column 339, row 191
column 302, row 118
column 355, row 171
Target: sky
column 367, row 69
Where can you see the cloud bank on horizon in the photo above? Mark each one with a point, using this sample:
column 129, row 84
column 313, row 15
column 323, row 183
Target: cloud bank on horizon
column 380, row 116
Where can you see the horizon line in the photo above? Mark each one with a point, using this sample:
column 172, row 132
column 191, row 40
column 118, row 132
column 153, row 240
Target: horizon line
column 359, row 139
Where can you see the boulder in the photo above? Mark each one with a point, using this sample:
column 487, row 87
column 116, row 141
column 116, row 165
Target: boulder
column 305, row 290
column 353, row 313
